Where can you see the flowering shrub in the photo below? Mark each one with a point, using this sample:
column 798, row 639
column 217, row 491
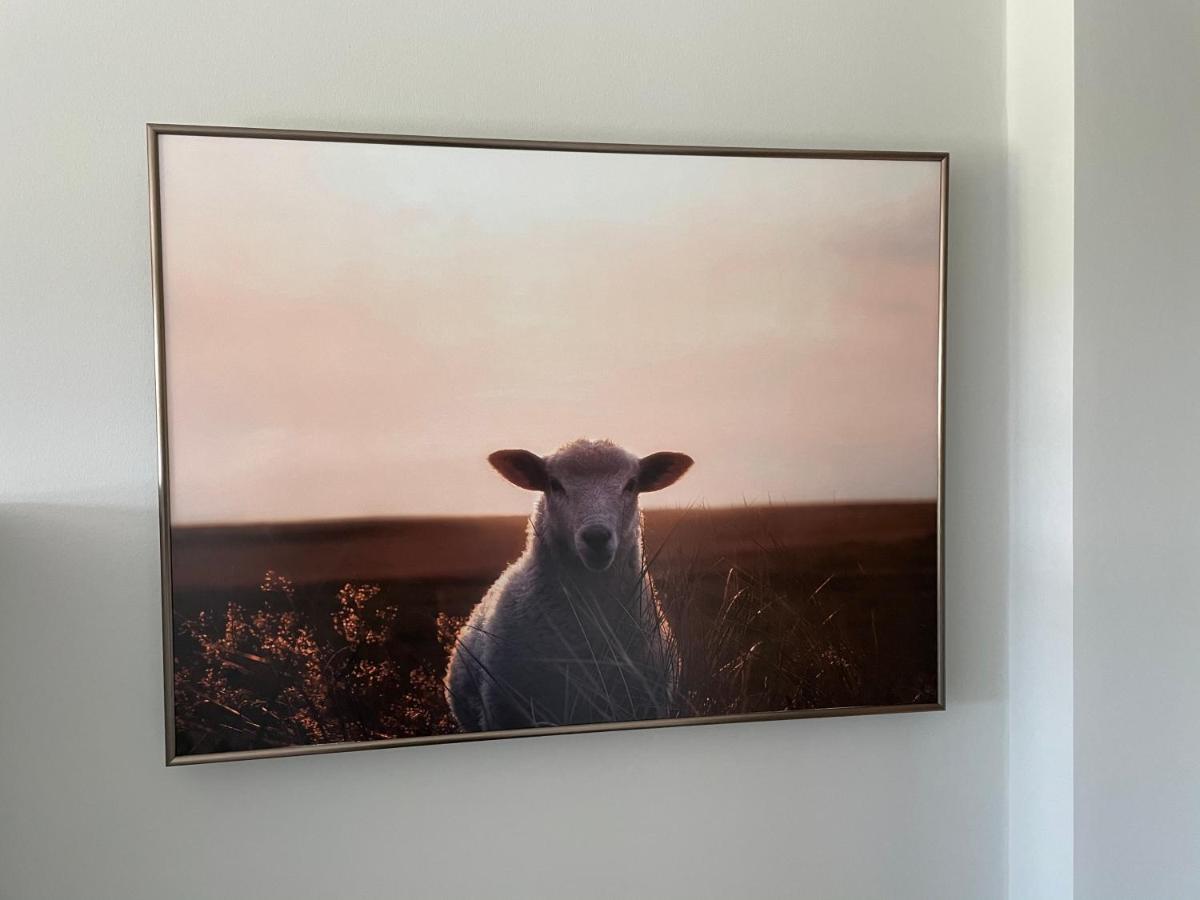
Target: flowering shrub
column 278, row 675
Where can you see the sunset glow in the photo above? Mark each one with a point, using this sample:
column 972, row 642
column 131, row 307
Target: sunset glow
column 352, row 328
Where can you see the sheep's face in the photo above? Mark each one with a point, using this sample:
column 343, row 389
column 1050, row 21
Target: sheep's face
column 591, row 493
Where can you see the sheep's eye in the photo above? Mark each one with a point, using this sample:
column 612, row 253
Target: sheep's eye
column 556, row 487
column 630, row 485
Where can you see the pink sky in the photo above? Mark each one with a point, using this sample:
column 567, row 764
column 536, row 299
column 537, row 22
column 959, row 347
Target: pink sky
column 352, row 328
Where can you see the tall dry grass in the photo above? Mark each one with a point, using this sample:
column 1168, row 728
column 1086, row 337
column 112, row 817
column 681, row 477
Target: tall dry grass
column 769, row 629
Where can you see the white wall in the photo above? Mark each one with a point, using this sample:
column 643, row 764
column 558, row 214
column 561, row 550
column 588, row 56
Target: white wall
column 887, row 807
column 1137, row 445
column 1041, row 166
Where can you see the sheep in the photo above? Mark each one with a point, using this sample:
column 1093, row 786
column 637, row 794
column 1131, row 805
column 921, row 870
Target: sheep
column 572, row 632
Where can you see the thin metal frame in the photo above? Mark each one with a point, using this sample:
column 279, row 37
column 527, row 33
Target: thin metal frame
column 154, row 131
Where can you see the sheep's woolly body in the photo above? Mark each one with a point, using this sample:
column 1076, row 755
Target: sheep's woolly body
column 554, row 643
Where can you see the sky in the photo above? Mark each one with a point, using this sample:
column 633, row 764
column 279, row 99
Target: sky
column 351, row 328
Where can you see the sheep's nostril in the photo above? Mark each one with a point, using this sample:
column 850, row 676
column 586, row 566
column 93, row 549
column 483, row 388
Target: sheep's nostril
column 596, row 537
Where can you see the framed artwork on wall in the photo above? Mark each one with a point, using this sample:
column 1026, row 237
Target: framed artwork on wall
column 466, row 439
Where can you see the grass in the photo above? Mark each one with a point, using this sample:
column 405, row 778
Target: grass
column 770, row 630
column 767, row 627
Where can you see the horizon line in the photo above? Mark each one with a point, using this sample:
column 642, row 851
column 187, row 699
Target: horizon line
column 451, row 517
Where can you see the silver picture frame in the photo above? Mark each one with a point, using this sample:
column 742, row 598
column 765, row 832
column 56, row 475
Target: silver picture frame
column 154, row 132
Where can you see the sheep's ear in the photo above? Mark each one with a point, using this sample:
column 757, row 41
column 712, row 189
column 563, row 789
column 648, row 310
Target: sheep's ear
column 660, row 470
column 524, row 469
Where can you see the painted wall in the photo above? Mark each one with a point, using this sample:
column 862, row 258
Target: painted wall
column 1137, row 442
column 887, row 807
column 1041, row 165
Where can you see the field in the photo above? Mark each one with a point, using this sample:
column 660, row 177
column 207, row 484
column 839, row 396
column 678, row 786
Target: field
column 304, row 633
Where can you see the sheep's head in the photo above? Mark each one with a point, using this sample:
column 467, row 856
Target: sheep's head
column 591, row 493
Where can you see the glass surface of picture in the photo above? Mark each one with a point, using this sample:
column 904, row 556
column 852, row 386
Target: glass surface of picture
column 467, row 439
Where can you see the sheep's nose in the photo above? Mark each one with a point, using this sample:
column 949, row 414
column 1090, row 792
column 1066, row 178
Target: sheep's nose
column 596, row 537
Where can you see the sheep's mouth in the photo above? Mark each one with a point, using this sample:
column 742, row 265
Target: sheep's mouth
column 596, row 560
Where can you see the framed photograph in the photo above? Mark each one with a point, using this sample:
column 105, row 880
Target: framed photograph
column 466, row 439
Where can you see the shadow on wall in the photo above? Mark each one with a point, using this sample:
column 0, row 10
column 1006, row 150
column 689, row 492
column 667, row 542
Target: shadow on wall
column 79, row 594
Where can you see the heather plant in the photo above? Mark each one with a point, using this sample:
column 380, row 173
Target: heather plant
column 278, row 675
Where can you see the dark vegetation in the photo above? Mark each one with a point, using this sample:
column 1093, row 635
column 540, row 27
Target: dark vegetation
column 346, row 637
